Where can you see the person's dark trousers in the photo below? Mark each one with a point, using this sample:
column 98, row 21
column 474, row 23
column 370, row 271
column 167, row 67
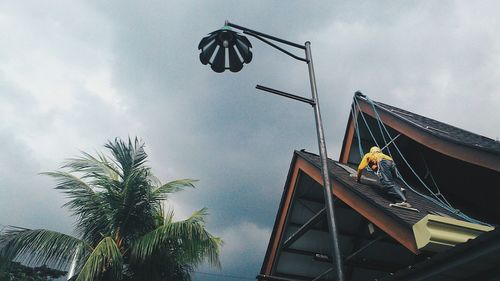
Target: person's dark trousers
column 387, row 174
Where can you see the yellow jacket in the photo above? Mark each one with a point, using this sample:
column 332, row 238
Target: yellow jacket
column 372, row 158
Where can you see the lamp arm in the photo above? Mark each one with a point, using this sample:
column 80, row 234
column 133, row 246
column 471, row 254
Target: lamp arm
column 261, row 36
column 275, row 46
column 227, row 23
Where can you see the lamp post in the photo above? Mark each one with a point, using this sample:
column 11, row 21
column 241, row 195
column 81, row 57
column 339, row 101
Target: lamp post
column 227, row 43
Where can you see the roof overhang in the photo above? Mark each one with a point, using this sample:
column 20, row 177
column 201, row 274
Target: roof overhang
column 423, row 136
column 474, row 260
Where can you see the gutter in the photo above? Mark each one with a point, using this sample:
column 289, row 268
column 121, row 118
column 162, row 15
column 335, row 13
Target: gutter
column 436, row 234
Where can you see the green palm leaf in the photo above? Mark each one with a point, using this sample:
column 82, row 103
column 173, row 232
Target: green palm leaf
column 105, row 258
column 118, row 204
column 161, row 193
column 87, row 205
column 128, row 155
column 188, row 235
column 91, row 166
column 40, row 246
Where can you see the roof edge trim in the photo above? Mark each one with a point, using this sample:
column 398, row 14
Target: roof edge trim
column 436, row 234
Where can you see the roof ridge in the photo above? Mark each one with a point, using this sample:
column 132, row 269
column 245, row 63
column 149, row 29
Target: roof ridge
column 449, row 132
column 419, row 115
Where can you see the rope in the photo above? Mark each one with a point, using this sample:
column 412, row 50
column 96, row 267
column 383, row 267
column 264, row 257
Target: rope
column 429, row 173
column 437, row 200
column 366, row 124
column 356, row 127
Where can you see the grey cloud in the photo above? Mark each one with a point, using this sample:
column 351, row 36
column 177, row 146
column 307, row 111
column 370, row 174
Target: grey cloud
column 438, row 59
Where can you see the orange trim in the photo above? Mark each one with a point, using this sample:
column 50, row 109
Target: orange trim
column 290, row 190
column 458, row 151
column 346, row 148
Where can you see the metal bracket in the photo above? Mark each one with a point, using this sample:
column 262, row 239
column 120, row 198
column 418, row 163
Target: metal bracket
column 285, row 94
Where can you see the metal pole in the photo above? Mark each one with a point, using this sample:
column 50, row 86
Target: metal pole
column 324, row 168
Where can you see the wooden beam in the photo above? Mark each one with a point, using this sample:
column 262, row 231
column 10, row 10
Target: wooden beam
column 304, row 228
column 371, row 264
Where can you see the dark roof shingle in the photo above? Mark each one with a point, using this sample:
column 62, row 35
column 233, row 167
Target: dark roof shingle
column 443, row 130
column 368, row 191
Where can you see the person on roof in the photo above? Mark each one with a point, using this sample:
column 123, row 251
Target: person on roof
column 385, row 169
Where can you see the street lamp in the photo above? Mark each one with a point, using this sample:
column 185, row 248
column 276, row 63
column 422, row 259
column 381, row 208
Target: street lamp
column 225, row 43
column 228, row 42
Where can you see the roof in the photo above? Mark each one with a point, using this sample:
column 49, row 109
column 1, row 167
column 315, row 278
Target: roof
column 443, row 138
column 368, row 191
column 443, row 130
column 299, row 246
column 376, row 239
column 463, row 166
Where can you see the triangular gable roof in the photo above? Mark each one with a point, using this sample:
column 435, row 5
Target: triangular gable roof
column 370, row 205
column 466, row 166
column 439, row 136
column 414, row 232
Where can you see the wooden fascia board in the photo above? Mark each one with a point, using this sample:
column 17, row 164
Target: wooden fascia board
column 347, row 142
column 401, row 233
column 281, row 215
column 452, row 149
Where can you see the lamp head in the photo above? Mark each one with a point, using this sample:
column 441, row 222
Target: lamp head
column 217, row 44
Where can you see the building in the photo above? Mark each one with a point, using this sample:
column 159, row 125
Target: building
column 451, row 177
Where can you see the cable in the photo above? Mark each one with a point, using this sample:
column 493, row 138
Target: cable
column 428, row 172
column 446, row 205
column 382, row 125
column 438, row 201
column 356, row 127
column 366, row 122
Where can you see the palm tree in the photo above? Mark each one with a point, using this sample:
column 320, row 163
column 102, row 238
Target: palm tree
column 123, row 230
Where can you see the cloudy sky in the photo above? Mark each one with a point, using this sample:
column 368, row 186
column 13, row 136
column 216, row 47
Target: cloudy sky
column 74, row 74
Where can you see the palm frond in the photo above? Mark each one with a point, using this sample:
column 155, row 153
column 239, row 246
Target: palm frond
column 135, row 213
column 106, row 258
column 91, row 166
column 189, row 235
column 162, row 192
column 91, row 207
column 128, row 155
column 168, row 216
column 70, row 184
column 40, row 246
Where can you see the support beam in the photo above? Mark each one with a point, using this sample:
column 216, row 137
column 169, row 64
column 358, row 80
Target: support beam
column 375, row 265
column 323, row 274
column 304, row 228
column 357, row 242
column 363, row 248
column 305, row 205
column 303, row 252
column 370, row 264
column 294, row 276
column 350, row 234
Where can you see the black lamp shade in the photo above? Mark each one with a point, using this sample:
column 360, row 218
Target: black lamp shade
column 235, row 45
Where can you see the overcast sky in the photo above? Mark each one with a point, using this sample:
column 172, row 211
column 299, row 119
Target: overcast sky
column 74, row 74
